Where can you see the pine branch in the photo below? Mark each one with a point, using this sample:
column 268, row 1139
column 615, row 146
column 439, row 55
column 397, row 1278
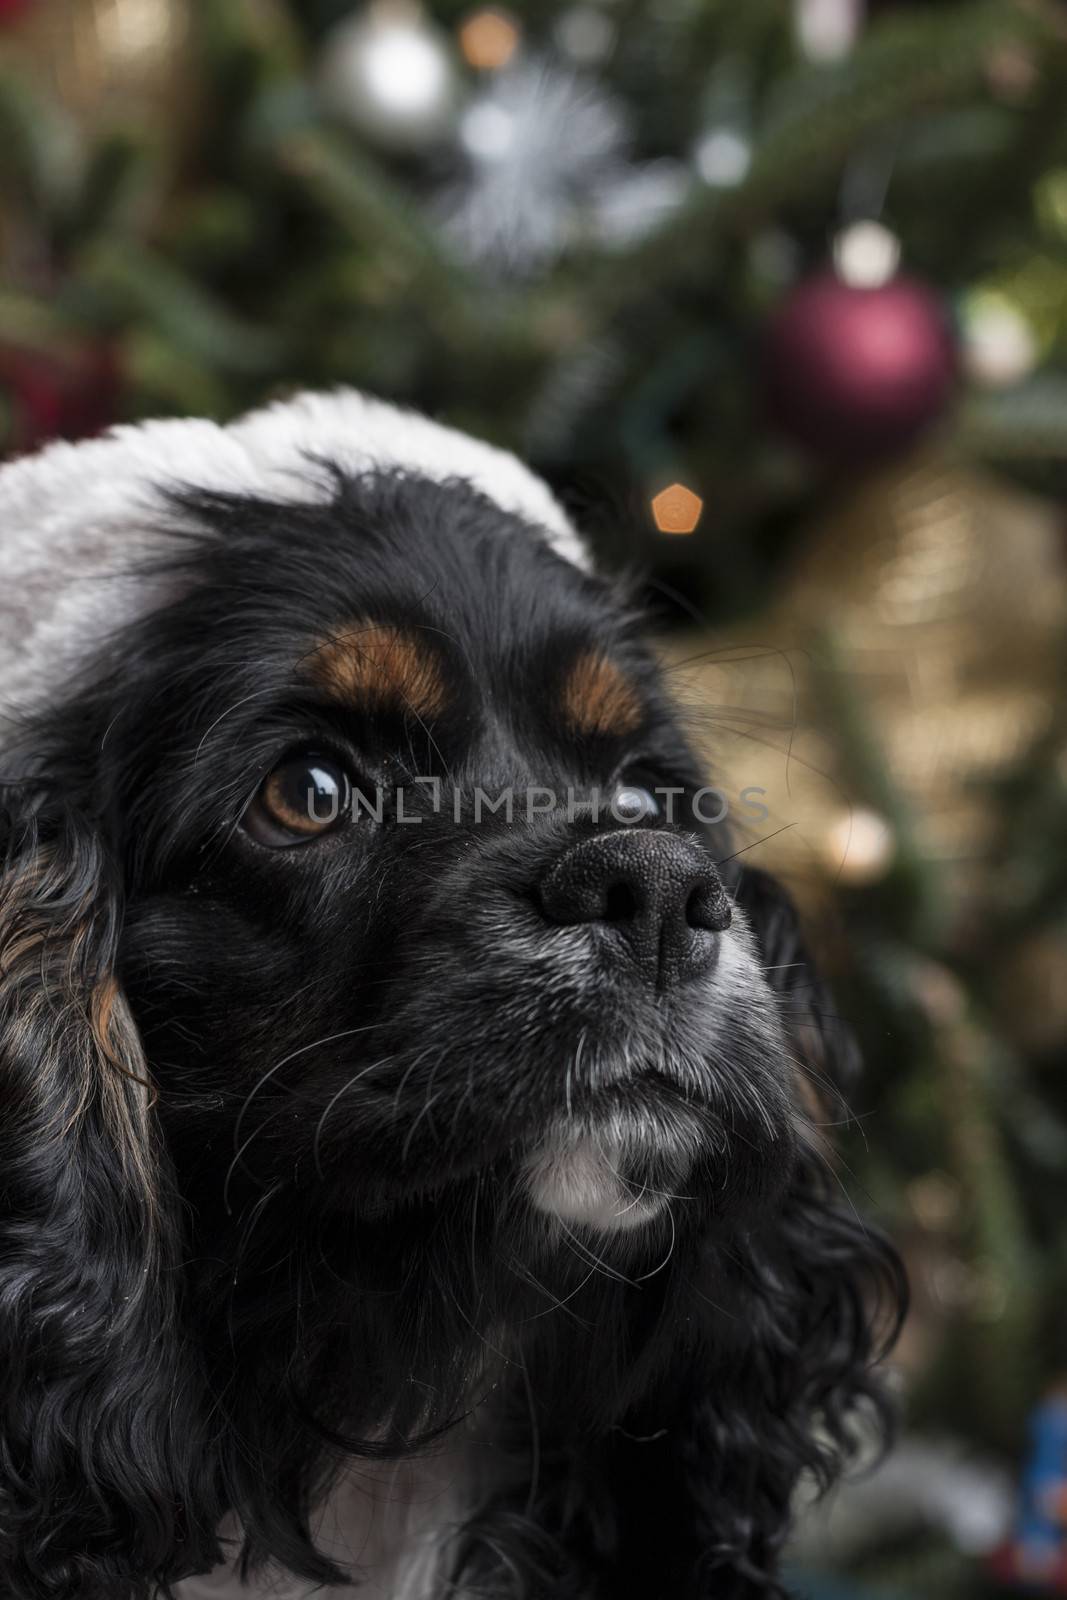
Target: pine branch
column 376, row 216
column 904, row 69
column 41, row 155
column 130, row 283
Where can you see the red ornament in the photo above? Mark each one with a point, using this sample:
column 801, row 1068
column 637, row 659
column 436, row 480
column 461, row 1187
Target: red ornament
column 44, row 395
column 856, row 373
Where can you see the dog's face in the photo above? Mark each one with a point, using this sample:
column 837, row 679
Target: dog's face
column 417, row 893
column 381, row 1030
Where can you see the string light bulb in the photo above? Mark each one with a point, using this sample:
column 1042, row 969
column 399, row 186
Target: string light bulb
column 488, row 38
column 677, row 509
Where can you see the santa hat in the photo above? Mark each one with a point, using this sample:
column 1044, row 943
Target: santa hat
column 79, row 523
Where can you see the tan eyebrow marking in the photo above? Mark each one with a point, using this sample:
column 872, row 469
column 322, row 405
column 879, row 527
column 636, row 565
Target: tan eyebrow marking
column 376, row 663
column 599, row 698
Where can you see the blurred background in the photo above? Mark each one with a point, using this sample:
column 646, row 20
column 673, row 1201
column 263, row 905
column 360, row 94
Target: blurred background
column 775, row 294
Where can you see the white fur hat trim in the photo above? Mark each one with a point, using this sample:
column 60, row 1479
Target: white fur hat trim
column 76, row 519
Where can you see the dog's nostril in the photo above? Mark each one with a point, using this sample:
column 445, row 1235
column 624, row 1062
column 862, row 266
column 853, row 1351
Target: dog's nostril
column 708, row 907
column 621, row 902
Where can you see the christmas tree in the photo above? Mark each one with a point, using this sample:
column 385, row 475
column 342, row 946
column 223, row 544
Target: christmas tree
column 775, row 294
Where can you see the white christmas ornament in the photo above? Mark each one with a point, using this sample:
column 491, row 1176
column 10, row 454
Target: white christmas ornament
column 858, row 847
column 389, row 74
column 723, row 157
column 826, row 30
column 866, row 255
column 999, row 344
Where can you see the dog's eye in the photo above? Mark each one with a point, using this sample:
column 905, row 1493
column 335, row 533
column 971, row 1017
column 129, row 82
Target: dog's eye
column 635, row 802
column 305, row 796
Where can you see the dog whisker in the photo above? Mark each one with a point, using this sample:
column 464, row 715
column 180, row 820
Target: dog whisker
column 349, row 1083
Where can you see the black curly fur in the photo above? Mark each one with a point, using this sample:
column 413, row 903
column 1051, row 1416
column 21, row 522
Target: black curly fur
column 230, row 1263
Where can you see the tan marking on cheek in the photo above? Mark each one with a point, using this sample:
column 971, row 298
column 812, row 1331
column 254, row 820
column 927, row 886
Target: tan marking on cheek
column 599, row 698
column 378, row 664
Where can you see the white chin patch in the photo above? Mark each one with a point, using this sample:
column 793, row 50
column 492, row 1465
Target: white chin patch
column 593, row 1180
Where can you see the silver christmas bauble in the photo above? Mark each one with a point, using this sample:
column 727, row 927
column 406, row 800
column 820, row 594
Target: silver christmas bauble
column 389, row 73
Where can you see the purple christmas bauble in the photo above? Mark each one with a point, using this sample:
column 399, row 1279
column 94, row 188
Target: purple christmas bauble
column 857, row 373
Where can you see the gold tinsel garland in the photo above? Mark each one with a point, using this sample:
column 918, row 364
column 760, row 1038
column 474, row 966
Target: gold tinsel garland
column 934, row 597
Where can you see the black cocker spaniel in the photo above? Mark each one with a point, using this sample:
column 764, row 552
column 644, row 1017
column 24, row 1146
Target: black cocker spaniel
column 411, row 1184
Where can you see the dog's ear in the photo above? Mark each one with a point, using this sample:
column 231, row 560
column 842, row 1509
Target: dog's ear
column 823, row 1046
column 98, row 1455
column 775, row 1382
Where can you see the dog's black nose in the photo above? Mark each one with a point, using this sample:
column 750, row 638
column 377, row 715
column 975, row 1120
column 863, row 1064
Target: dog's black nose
column 656, row 893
